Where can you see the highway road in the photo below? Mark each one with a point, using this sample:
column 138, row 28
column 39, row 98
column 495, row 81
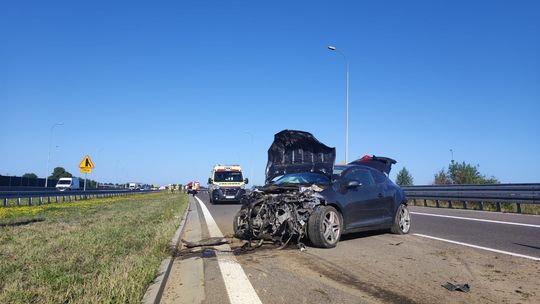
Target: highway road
column 498, row 255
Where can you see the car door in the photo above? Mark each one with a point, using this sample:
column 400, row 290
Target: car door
column 386, row 202
column 363, row 201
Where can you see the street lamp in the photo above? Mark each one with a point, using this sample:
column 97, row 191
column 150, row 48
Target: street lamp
column 49, row 155
column 333, row 48
column 251, row 158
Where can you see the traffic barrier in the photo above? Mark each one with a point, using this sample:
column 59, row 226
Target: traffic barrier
column 69, row 196
column 492, row 193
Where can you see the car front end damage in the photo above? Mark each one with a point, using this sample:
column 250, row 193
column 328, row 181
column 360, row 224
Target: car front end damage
column 277, row 214
column 280, row 213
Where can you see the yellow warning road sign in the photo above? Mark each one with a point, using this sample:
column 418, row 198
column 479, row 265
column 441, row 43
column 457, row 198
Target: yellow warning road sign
column 86, row 163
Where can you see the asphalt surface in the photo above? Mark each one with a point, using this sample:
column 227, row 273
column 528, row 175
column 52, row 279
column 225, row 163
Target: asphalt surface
column 508, row 237
column 378, row 267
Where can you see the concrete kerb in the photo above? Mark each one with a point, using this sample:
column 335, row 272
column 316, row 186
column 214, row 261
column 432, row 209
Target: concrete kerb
column 155, row 291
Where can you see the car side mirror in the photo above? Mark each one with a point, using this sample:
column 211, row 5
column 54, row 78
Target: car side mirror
column 209, row 180
column 246, row 181
column 353, row 184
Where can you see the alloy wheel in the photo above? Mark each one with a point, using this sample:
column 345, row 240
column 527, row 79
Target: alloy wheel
column 331, row 227
column 404, row 220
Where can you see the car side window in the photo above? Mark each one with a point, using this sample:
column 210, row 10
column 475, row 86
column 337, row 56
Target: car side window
column 361, row 175
column 379, row 176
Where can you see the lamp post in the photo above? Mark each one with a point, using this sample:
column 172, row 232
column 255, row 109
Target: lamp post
column 452, row 152
column 333, row 48
column 251, row 158
column 49, row 154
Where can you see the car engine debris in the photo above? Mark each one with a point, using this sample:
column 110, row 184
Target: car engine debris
column 277, row 214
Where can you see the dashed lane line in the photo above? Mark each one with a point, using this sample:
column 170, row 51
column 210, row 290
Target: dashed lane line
column 237, row 284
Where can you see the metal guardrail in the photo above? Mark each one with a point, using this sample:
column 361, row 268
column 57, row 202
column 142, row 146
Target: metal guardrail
column 47, row 197
column 492, row 193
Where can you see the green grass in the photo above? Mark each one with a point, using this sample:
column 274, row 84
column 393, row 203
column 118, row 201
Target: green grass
column 93, row 251
column 505, row 207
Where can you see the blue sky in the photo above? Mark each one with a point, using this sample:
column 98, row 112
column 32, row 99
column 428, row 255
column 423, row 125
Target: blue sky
column 160, row 92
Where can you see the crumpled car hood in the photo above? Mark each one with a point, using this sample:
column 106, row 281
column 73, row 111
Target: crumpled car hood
column 298, row 151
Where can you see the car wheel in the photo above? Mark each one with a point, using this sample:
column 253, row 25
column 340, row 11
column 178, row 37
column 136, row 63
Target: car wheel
column 240, row 223
column 324, row 227
column 402, row 220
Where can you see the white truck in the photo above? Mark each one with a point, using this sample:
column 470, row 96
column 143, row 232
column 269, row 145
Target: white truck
column 67, row 183
column 134, row 186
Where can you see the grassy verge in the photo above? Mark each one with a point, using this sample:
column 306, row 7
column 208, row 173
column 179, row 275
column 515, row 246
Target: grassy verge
column 92, row 251
column 505, row 207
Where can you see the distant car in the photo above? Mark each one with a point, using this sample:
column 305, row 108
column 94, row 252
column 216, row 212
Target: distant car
column 162, row 188
column 307, row 195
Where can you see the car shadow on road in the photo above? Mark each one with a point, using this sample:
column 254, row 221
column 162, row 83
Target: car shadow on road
column 359, row 235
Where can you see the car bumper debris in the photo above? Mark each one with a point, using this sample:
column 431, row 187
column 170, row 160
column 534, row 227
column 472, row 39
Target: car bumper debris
column 277, row 215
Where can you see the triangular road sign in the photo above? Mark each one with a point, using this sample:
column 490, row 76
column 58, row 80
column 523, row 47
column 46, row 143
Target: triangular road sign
column 86, row 163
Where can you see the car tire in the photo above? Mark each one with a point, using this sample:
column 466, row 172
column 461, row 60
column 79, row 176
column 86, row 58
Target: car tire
column 325, row 225
column 402, row 220
column 240, row 223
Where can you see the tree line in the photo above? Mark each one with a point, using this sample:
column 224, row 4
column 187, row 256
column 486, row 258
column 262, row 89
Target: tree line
column 456, row 173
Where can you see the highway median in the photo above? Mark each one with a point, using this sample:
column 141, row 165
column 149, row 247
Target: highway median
column 94, row 251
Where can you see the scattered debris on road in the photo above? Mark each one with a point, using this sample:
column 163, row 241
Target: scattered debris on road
column 213, row 241
column 457, row 287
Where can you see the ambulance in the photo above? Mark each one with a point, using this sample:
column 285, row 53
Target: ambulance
column 226, row 183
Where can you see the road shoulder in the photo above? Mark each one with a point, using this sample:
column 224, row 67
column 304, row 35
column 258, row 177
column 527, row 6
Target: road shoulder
column 186, row 279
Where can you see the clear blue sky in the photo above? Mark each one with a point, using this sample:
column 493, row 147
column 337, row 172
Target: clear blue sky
column 160, row 92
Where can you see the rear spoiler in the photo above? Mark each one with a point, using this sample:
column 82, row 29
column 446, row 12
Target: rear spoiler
column 383, row 164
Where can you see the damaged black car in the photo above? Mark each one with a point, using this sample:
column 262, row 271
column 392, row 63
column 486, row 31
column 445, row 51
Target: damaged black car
column 306, row 196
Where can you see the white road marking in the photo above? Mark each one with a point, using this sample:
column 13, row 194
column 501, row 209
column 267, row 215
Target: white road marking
column 237, row 284
column 478, row 247
column 476, row 219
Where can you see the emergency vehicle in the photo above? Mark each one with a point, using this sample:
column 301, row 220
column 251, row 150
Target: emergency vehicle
column 226, row 183
column 193, row 187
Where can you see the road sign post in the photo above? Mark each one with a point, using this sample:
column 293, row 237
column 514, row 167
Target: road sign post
column 86, row 167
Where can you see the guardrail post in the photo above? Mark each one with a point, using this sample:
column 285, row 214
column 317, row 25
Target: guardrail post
column 69, row 198
column 481, row 205
column 48, row 199
column 449, row 204
column 18, row 201
column 56, row 200
column 30, row 201
column 41, row 200
column 518, row 205
column 464, row 204
column 5, row 202
column 436, row 203
column 498, row 207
